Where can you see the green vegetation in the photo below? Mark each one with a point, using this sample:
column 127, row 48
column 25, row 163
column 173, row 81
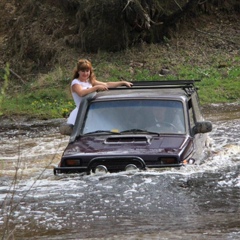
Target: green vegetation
column 4, row 87
column 48, row 96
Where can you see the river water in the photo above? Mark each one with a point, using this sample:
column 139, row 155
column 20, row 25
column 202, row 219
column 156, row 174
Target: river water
column 195, row 202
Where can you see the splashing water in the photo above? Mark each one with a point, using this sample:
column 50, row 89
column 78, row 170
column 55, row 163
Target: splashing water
column 200, row 202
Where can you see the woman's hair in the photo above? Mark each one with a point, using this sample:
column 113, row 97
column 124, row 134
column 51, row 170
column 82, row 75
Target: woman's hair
column 84, row 64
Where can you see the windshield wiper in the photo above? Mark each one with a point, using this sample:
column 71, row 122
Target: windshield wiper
column 102, row 131
column 136, row 130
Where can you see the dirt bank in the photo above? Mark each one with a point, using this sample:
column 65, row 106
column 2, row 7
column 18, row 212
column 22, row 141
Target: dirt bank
column 36, row 37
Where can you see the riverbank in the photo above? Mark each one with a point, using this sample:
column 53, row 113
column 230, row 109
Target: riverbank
column 48, row 96
column 207, row 48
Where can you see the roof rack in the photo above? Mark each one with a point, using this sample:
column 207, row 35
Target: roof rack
column 180, row 83
column 187, row 85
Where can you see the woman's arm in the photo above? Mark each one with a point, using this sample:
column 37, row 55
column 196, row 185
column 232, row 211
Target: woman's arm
column 118, row 84
column 113, row 84
column 98, row 86
column 77, row 88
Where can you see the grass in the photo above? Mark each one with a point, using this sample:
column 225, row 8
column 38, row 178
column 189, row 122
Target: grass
column 48, row 96
column 4, row 87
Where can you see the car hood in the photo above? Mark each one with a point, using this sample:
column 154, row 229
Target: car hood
column 127, row 145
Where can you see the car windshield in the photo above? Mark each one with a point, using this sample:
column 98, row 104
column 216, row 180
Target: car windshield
column 128, row 116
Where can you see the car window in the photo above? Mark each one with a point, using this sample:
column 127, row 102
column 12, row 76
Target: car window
column 160, row 116
column 197, row 110
column 191, row 114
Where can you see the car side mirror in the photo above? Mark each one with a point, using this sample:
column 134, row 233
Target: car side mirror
column 202, row 127
column 66, row 129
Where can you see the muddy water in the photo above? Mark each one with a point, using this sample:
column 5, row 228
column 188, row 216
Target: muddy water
column 198, row 202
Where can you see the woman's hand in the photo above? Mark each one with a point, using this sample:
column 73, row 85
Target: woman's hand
column 128, row 84
column 111, row 84
column 101, row 87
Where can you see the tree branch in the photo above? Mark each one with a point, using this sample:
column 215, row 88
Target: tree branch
column 16, row 75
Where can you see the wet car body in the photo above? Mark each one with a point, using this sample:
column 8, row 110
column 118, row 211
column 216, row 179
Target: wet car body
column 151, row 125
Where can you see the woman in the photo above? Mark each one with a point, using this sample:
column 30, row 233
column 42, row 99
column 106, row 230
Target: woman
column 84, row 82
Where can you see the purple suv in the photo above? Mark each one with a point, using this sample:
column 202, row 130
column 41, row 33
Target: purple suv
column 151, row 125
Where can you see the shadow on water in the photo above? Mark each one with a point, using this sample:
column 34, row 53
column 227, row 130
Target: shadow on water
column 197, row 202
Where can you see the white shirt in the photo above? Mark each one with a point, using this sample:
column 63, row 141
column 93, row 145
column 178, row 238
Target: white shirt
column 77, row 99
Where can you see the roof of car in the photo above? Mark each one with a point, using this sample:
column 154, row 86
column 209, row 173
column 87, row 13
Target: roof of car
column 175, row 89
